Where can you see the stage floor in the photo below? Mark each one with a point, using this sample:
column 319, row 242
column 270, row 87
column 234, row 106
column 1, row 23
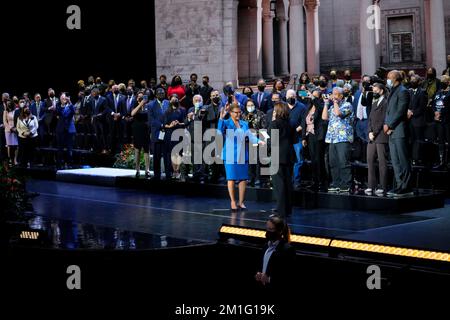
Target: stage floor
column 198, row 219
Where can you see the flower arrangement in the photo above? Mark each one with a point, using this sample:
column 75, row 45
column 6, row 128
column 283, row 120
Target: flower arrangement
column 13, row 197
column 125, row 159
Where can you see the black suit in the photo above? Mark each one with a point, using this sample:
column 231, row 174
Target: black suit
column 3, row 152
column 282, row 180
column 418, row 103
column 281, row 267
column 117, row 104
column 100, row 110
column 50, row 121
column 396, row 120
column 316, row 142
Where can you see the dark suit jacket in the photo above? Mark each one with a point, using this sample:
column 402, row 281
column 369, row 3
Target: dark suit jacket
column 34, row 108
column 396, row 114
column 320, row 126
column 49, row 115
column 266, row 101
column 156, row 117
column 121, row 104
column 281, row 265
column 417, row 104
column 366, row 101
column 376, row 121
column 101, row 110
column 287, row 136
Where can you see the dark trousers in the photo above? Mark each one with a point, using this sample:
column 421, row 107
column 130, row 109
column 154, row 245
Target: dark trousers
column 374, row 151
column 400, row 163
column 442, row 135
column 100, row 134
column 27, row 147
column 417, row 142
column 198, row 171
column 65, row 141
column 115, row 138
column 85, row 128
column 282, row 188
column 340, row 166
column 161, row 150
column 317, row 153
column 361, row 139
column 3, row 150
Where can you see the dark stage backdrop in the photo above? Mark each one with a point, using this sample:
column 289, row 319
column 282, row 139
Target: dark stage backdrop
column 38, row 51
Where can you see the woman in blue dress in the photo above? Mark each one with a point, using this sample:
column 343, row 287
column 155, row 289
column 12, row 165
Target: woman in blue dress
column 235, row 151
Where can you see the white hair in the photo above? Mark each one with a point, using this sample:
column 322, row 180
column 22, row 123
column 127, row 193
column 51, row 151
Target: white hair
column 348, row 86
column 339, row 90
column 199, row 97
column 290, row 93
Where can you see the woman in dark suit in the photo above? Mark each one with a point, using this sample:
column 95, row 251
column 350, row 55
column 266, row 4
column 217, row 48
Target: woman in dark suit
column 235, row 153
column 378, row 141
column 313, row 137
column 282, row 180
column 141, row 134
column 278, row 259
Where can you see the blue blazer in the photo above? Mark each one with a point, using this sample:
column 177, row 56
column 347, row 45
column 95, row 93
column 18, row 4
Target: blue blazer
column 241, row 98
column 266, row 101
column 65, row 119
column 101, row 108
column 156, row 117
column 235, row 143
column 33, row 109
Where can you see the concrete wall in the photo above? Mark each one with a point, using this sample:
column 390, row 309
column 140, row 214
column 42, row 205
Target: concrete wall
column 197, row 36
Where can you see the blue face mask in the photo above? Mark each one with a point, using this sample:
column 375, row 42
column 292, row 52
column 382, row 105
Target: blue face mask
column 198, row 105
column 389, row 83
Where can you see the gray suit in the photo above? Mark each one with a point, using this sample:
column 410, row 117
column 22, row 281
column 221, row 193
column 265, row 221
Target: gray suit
column 396, row 119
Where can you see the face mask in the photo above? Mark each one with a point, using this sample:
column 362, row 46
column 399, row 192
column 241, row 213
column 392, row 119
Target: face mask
column 333, row 76
column 251, row 108
column 316, row 82
column 205, row 83
column 22, row 105
column 248, row 94
column 430, row 76
column 348, row 77
column 389, row 83
column 175, row 104
column 366, row 85
column 271, row 236
column 130, row 93
column 291, row 101
column 323, row 83
column 414, row 85
column 163, row 81
column 216, row 100
column 261, row 88
column 51, row 95
column 198, row 105
column 444, row 85
column 116, row 91
column 346, row 94
column 376, row 96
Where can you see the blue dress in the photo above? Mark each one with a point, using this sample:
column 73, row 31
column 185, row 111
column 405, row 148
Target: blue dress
column 235, row 150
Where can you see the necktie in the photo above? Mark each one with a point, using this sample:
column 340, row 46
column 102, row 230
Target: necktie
column 259, row 99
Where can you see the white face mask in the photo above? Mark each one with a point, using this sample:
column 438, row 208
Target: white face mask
column 250, row 108
column 22, row 104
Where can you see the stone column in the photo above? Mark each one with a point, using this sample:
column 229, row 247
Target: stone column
column 296, row 37
column 312, row 38
column 437, row 35
column 283, row 50
column 267, row 41
column 367, row 38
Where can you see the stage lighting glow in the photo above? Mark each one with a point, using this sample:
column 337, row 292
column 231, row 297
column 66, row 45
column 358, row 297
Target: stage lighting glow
column 243, row 232
column 398, row 251
column 29, row 235
column 310, row 240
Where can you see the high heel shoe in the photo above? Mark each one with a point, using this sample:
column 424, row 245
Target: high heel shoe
column 242, row 206
column 236, row 208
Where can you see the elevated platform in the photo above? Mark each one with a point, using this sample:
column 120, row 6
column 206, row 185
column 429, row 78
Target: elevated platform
column 421, row 200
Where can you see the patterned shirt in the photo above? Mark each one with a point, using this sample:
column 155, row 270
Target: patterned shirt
column 340, row 128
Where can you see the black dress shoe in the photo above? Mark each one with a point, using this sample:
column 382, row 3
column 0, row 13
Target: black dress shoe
column 137, row 175
column 147, row 175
